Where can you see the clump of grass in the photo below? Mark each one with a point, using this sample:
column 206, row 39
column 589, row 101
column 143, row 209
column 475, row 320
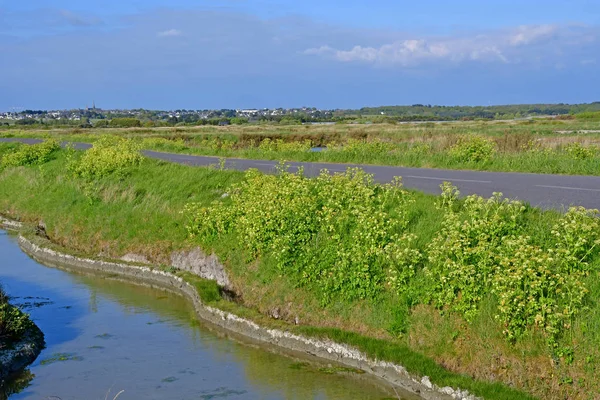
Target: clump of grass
column 13, row 322
column 473, row 149
column 208, row 290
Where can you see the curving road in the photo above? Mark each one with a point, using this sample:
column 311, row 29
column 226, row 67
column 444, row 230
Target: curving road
column 540, row 190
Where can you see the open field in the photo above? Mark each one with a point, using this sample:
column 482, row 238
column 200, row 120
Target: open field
column 568, row 146
column 404, row 276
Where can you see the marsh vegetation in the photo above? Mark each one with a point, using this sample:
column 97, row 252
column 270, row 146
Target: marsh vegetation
column 560, row 146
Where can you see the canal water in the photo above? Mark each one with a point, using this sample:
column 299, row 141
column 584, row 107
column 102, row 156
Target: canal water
column 103, row 335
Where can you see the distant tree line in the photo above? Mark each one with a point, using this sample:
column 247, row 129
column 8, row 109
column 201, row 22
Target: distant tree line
column 386, row 114
column 423, row 112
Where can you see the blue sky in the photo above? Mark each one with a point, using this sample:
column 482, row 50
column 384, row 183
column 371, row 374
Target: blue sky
column 328, row 54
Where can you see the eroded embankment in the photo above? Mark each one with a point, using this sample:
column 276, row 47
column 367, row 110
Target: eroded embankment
column 40, row 250
column 18, row 355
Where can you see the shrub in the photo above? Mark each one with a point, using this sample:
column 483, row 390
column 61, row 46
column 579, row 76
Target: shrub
column 34, row 154
column 101, row 123
column 481, row 251
column 473, row 149
column 331, row 232
column 125, row 123
column 580, row 152
column 420, row 148
column 462, row 255
column 239, row 121
column 109, row 155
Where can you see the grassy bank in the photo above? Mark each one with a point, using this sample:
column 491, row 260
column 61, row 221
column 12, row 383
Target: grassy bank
column 432, row 283
column 541, row 146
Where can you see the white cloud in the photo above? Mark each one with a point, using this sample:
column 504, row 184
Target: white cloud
column 414, row 51
column 169, row 33
column 525, row 34
column 504, row 46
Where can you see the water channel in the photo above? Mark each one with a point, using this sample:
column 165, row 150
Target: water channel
column 103, row 335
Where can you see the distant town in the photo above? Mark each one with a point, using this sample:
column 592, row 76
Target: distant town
column 174, row 116
column 97, row 117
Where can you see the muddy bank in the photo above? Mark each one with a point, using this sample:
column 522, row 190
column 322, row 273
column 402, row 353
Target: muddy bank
column 39, row 249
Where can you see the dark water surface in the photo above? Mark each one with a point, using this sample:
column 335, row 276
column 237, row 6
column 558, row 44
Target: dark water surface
column 103, row 334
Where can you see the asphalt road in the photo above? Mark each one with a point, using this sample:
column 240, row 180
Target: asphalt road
column 540, row 190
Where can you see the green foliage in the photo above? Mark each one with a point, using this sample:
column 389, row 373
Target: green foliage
column 208, row 290
column 581, row 152
column 101, row 123
column 545, row 287
column 475, row 149
column 421, row 148
column 334, row 232
column 109, row 155
column 421, row 112
column 359, row 147
column 141, row 212
column 588, row 115
column 278, row 145
column 35, row 154
column 13, row 322
column 462, row 255
column 481, row 251
column 125, row 123
column 239, row 121
column 348, row 237
column 27, row 121
column 163, row 144
column 289, row 120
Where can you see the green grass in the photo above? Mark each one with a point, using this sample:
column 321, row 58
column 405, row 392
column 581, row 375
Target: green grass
column 555, row 163
column 140, row 212
column 510, row 139
column 416, row 363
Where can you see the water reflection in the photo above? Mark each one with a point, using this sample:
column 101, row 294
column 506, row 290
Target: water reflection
column 104, row 334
